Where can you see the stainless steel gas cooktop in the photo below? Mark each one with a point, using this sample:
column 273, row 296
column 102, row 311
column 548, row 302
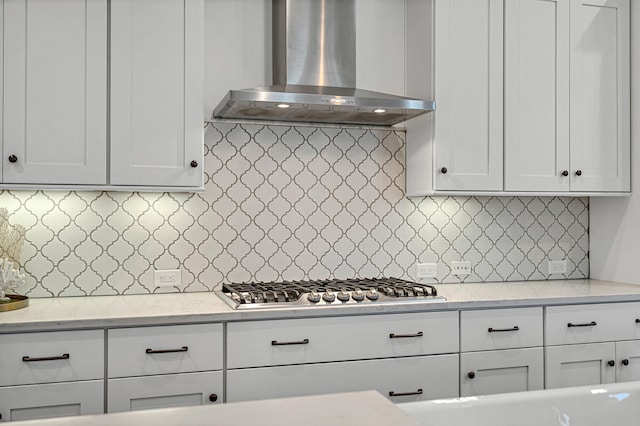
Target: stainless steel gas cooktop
column 327, row 293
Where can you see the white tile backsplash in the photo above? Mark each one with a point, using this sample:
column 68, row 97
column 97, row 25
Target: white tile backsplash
column 284, row 203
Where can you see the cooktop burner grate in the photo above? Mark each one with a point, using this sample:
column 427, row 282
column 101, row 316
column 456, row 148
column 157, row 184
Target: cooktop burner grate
column 323, row 292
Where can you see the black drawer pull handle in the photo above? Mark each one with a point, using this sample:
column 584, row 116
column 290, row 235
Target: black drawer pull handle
column 213, row 397
column 167, row 351
column 637, row 320
column 418, row 392
column 588, row 324
column 46, row 358
column 625, row 362
column 404, row 336
column 611, row 363
column 471, row 375
column 301, row 342
column 499, row 330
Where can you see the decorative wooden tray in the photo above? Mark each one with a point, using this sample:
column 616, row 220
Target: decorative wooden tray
column 16, row 302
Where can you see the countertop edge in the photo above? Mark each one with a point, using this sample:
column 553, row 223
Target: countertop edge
column 190, row 308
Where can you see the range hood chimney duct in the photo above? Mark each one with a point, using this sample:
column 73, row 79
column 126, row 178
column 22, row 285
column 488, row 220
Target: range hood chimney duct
column 314, row 73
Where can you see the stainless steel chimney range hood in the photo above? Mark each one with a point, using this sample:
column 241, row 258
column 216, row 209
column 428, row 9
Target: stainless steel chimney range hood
column 314, row 73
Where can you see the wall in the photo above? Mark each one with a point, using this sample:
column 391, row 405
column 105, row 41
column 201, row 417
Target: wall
column 285, row 203
column 615, row 229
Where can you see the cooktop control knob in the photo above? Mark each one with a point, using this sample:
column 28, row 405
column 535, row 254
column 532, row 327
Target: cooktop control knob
column 373, row 294
column 328, row 296
column 313, row 297
column 358, row 295
column 344, row 296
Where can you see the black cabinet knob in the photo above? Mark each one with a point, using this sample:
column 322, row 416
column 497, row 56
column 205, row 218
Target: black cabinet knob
column 194, row 163
column 565, row 173
column 625, row 362
column 578, row 172
column 213, row 397
column 611, row 363
column 13, row 158
column 443, row 170
column 471, row 375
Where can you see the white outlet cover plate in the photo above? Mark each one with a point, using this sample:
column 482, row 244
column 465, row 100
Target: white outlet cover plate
column 460, row 268
column 427, row 270
column 557, row 267
column 167, row 278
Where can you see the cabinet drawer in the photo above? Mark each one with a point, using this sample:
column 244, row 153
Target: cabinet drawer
column 51, row 400
column 281, row 342
column 400, row 379
column 163, row 350
column 500, row 329
column 591, row 323
column 58, row 356
column 171, row 390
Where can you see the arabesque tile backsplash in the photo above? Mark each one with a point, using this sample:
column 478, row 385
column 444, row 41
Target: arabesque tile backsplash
column 285, row 203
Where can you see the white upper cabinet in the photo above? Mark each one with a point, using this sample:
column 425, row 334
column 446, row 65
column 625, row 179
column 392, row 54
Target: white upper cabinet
column 156, row 92
column 600, row 95
column 532, row 96
column 537, row 95
column 55, row 92
column 468, row 91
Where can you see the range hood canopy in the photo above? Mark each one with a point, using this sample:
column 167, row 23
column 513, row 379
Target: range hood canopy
column 314, row 73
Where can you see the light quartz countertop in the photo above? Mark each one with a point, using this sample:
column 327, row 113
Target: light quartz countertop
column 344, row 409
column 179, row 308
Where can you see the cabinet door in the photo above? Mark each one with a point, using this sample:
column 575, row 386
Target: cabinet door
column 156, row 92
column 513, row 370
column 51, row 400
column 55, row 91
column 628, row 361
column 400, row 379
column 600, row 99
column 171, row 390
column 468, row 94
column 536, row 95
column 579, row 365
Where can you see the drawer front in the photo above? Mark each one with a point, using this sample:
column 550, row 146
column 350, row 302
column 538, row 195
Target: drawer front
column 163, row 350
column 171, row 390
column 57, row 356
column 282, row 342
column 51, row 400
column 591, row 323
column 399, row 379
column 500, row 329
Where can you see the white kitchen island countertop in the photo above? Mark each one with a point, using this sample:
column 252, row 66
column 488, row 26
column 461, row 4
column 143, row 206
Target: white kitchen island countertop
column 367, row 408
column 181, row 308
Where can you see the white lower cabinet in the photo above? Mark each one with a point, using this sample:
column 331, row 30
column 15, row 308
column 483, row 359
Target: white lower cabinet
column 513, row 370
column 580, row 365
column 51, row 400
column 164, row 366
column 628, row 361
column 401, row 379
column 171, row 390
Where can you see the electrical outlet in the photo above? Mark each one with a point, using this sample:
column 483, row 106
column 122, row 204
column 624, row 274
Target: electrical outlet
column 557, row 267
column 167, row 278
column 427, row 270
column 460, row 268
